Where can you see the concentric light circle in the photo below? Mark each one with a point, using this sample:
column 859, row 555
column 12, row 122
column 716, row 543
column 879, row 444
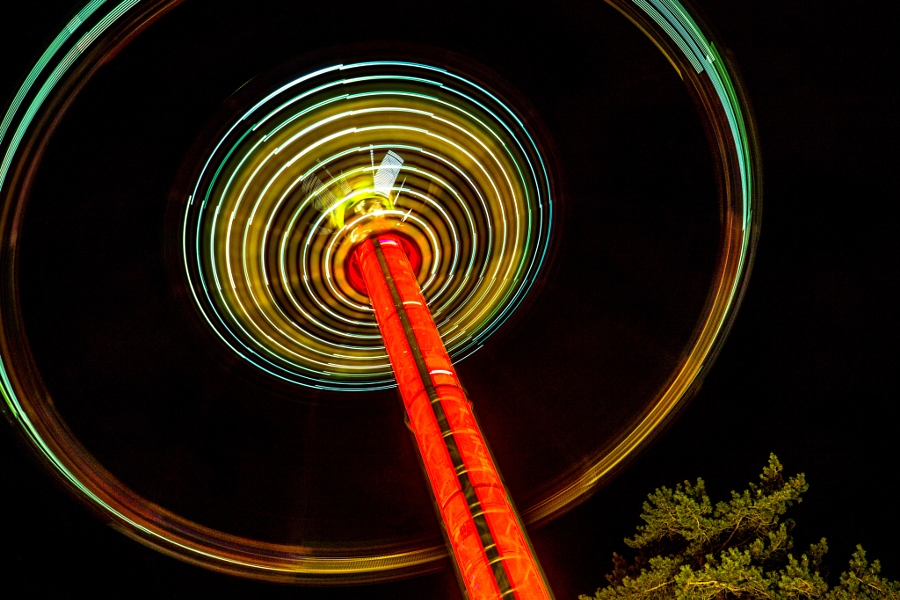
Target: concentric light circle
column 275, row 214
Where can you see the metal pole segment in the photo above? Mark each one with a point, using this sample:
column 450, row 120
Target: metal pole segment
column 492, row 552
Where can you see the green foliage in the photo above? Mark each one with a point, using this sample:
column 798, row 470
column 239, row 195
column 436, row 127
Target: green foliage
column 689, row 549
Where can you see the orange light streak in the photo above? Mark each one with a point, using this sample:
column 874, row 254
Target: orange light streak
column 492, row 552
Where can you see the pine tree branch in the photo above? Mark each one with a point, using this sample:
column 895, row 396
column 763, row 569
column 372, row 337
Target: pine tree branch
column 679, row 557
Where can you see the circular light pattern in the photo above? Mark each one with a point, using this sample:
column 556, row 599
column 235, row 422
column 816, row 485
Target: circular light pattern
column 97, row 33
column 301, row 176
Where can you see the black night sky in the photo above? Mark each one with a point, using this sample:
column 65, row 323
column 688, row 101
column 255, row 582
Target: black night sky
column 807, row 371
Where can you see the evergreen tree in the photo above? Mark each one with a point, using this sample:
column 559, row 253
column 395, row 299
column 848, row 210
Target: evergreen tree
column 689, row 549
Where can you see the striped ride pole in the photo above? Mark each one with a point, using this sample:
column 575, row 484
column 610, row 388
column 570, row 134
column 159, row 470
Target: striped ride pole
column 493, row 555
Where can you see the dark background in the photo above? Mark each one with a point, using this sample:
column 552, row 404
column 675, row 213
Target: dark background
column 806, row 372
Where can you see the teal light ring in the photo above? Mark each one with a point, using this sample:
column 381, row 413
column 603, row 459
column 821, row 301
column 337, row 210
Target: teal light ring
column 314, row 332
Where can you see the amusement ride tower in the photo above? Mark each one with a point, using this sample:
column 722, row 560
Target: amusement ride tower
column 385, row 189
column 348, row 223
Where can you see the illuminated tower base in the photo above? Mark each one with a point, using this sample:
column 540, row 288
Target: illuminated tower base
column 491, row 549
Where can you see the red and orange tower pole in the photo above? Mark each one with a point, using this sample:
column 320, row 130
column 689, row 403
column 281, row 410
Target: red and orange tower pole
column 492, row 552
